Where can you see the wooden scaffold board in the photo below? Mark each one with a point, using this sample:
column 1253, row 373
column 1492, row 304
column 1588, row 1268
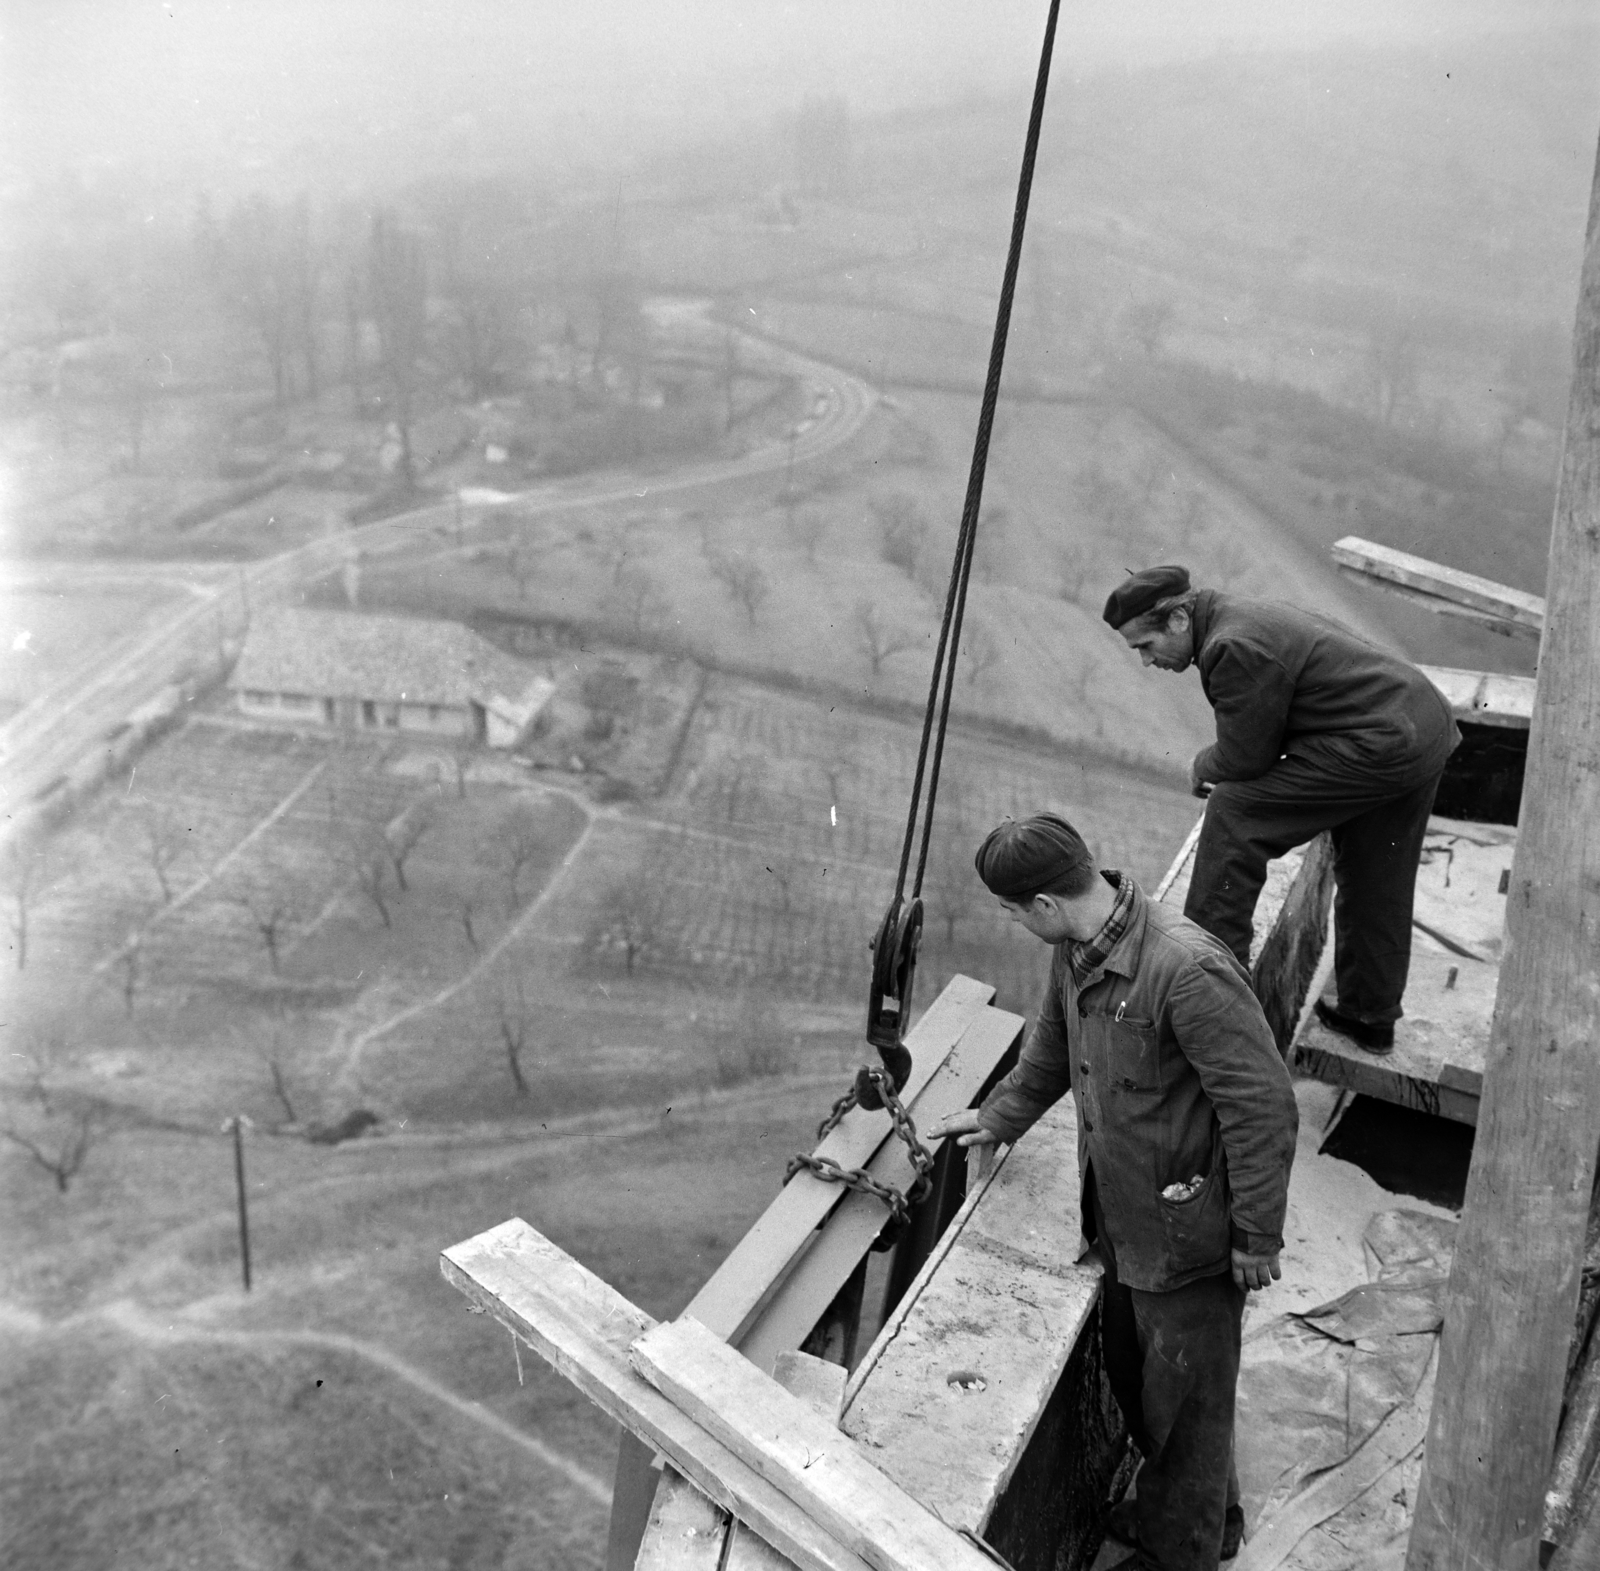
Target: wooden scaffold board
column 1437, row 1063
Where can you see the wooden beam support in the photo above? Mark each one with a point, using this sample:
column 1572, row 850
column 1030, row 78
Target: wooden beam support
column 1514, row 1282
column 783, row 1441
column 687, row 1532
column 1484, row 697
column 584, row 1328
column 1446, row 590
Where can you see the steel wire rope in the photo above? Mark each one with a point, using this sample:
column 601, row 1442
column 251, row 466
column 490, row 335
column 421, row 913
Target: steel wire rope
column 882, row 1085
column 961, row 569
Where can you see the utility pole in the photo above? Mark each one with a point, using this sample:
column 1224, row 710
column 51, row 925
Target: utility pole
column 238, row 1124
column 1514, row 1285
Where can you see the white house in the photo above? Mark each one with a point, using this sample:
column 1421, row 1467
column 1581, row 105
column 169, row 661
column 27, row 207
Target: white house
column 384, row 673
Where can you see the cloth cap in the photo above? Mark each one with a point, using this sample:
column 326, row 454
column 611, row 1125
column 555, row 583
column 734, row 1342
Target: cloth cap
column 1139, row 591
column 1024, row 855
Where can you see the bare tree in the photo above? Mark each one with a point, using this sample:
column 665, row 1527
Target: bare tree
column 24, row 878
column 130, row 964
column 1104, row 496
column 466, row 911
column 1191, row 518
column 979, row 652
column 514, row 1033
column 362, row 850
column 807, row 528
column 1074, row 566
column 631, row 919
column 280, row 1082
column 166, row 839
column 463, row 750
column 41, row 1053
column 902, row 531
column 258, row 282
column 1148, row 322
column 641, row 601
column 1391, row 367
column 272, row 913
column 620, row 543
column 518, row 839
column 398, row 283
column 59, row 1147
column 405, row 834
column 743, row 579
column 522, row 564
column 876, row 638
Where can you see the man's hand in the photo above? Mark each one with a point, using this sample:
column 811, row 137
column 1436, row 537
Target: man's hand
column 970, row 1133
column 1198, row 785
column 1255, row 1271
column 965, row 1126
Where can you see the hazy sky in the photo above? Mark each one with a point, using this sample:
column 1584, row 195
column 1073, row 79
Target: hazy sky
column 228, row 84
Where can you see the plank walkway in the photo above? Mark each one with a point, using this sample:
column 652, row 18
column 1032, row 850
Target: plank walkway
column 1440, row 1042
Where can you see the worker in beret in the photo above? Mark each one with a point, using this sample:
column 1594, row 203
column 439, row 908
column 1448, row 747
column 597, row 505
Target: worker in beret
column 1186, row 1132
column 1316, row 729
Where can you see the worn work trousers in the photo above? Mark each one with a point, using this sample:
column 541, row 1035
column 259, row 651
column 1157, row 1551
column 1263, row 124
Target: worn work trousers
column 1173, row 1363
column 1378, row 819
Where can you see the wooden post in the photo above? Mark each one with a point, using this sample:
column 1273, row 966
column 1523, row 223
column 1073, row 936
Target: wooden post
column 1514, row 1286
column 237, row 1125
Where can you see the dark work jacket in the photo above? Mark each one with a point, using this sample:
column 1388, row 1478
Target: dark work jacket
column 1282, row 680
column 1175, row 1075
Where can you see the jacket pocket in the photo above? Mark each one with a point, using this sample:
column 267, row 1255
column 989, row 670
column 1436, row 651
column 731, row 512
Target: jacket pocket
column 1197, row 1231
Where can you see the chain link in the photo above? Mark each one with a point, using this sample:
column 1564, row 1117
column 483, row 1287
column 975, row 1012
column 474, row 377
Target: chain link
column 859, row 1178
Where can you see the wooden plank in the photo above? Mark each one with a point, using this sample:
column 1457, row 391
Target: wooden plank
column 1457, row 593
column 695, row 1535
column 960, row 1382
column 1514, row 1282
column 732, row 1296
column 1484, row 697
column 583, row 1328
column 820, row 1386
column 1289, row 940
column 790, row 1446
column 685, row 1531
column 788, row 1315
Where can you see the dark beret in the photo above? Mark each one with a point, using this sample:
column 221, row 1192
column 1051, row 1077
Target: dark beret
column 1025, row 855
column 1139, row 591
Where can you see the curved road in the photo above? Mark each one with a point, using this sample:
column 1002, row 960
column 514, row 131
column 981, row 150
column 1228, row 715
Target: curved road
column 89, row 701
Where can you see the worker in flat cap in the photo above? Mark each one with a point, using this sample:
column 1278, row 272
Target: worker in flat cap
column 1186, row 1132
column 1317, row 728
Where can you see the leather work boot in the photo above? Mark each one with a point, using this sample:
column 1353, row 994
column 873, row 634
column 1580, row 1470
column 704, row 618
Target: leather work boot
column 1365, row 1034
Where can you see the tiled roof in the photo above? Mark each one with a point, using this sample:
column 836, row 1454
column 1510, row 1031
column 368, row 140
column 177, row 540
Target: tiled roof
column 349, row 654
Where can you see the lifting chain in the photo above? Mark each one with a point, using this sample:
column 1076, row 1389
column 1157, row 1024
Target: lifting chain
column 859, row 1178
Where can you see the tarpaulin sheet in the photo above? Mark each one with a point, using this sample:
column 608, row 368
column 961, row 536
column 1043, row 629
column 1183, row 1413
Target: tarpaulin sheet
column 1314, row 1385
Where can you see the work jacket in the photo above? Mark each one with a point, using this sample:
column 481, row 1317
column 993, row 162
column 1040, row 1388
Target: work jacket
column 1175, row 1076
column 1282, row 680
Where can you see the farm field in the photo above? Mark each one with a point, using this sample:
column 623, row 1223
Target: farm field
column 667, row 1069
